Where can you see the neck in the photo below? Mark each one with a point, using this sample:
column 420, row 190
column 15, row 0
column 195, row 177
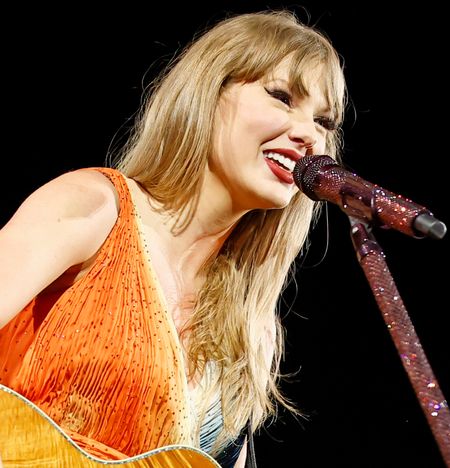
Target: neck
column 212, row 223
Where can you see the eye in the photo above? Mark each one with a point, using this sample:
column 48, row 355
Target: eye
column 281, row 95
column 326, row 123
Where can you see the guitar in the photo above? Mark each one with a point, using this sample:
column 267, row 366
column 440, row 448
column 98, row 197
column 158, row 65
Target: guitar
column 29, row 438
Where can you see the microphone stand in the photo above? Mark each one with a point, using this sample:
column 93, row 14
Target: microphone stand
column 423, row 381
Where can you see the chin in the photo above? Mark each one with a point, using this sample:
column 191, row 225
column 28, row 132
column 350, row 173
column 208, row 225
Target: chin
column 267, row 197
column 282, row 195
column 276, row 202
column 278, row 205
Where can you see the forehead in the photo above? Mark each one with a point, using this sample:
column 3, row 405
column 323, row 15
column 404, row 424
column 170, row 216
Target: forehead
column 298, row 75
column 303, row 81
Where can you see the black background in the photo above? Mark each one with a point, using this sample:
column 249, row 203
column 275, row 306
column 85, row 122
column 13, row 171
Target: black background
column 74, row 79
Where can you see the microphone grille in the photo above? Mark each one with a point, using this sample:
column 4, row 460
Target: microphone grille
column 306, row 170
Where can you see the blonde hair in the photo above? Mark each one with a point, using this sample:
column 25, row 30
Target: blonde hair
column 236, row 310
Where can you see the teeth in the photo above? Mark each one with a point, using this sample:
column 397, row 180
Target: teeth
column 286, row 162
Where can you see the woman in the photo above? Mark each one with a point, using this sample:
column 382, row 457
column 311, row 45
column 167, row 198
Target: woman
column 148, row 291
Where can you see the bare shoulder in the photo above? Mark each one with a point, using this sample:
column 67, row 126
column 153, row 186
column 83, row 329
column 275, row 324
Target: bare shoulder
column 76, row 194
column 61, row 224
column 73, row 212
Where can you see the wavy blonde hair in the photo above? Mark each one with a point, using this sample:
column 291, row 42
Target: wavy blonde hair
column 236, row 310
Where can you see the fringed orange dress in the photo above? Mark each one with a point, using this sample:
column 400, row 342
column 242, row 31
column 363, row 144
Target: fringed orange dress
column 103, row 358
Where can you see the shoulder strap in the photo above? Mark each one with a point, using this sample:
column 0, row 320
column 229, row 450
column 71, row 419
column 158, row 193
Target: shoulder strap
column 250, row 462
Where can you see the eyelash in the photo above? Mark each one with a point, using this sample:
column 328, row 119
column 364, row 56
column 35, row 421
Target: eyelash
column 286, row 98
column 327, row 123
column 281, row 95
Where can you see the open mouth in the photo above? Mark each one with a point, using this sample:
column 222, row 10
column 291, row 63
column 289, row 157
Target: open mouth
column 281, row 166
column 282, row 161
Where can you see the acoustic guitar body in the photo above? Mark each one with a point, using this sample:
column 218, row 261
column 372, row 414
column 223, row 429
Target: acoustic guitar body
column 29, row 438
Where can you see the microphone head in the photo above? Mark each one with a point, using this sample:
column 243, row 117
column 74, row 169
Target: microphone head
column 306, row 170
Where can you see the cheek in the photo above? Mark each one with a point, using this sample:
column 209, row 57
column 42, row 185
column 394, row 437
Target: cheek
column 248, row 131
column 230, row 141
column 263, row 124
column 321, row 145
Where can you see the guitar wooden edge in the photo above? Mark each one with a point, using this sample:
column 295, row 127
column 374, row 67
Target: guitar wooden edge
column 29, row 437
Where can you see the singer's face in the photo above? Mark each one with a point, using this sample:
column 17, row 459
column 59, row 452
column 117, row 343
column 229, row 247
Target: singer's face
column 260, row 130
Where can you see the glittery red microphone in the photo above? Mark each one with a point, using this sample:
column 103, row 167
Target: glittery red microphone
column 322, row 178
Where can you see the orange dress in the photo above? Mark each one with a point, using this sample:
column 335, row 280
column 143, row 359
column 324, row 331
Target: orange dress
column 103, row 358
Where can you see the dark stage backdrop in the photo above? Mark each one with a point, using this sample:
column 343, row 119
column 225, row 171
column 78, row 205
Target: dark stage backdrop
column 74, row 79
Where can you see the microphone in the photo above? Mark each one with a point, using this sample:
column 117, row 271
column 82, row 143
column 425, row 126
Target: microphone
column 322, row 178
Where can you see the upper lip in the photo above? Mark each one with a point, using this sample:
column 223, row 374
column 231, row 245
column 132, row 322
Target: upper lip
column 288, row 152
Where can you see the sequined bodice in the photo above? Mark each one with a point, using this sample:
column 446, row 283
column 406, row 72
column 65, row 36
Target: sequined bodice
column 102, row 358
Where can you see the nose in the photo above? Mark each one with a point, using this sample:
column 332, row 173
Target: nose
column 303, row 133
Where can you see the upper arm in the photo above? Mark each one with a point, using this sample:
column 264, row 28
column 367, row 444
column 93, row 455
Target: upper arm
column 61, row 224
